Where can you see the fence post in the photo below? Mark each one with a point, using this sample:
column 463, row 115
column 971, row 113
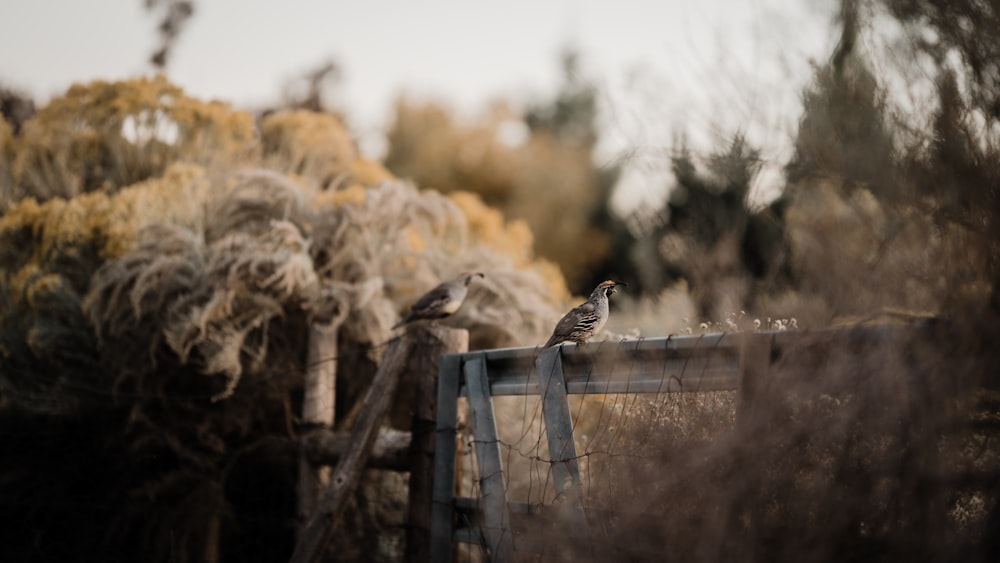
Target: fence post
column 559, row 427
column 431, row 343
column 344, row 478
column 496, row 517
column 319, row 397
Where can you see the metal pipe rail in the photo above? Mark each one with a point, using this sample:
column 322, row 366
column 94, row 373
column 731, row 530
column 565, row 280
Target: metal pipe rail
column 675, row 364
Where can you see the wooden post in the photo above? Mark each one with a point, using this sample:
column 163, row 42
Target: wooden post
column 318, row 404
column 344, row 479
column 430, row 343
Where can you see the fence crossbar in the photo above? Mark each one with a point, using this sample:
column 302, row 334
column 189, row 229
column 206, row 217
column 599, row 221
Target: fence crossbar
column 683, row 364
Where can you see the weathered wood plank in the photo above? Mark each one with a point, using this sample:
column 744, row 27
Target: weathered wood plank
column 390, row 451
column 319, row 398
column 431, row 343
column 344, row 479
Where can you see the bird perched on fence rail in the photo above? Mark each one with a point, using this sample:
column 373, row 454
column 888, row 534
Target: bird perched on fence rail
column 587, row 319
column 442, row 301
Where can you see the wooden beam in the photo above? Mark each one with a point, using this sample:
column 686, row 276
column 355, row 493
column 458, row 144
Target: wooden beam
column 390, row 451
column 319, row 398
column 430, row 344
column 344, row 479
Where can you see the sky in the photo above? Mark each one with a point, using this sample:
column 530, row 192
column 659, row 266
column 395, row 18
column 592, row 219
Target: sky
column 667, row 69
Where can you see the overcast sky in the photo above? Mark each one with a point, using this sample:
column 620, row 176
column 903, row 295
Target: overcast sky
column 702, row 69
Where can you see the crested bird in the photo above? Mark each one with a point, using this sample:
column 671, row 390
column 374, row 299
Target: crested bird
column 587, row 319
column 442, row 301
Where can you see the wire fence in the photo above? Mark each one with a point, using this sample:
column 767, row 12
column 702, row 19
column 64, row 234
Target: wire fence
column 572, row 452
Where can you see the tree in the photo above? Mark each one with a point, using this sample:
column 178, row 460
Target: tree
column 950, row 166
column 155, row 326
column 909, row 202
column 550, row 168
column 710, row 237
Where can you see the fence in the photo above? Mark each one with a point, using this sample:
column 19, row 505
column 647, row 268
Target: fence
column 711, row 362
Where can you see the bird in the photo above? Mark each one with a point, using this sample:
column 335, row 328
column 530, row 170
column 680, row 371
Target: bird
column 442, row 301
column 587, row 319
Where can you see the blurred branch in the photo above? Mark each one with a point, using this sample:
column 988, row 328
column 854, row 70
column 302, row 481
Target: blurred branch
column 308, row 90
column 16, row 107
column 176, row 14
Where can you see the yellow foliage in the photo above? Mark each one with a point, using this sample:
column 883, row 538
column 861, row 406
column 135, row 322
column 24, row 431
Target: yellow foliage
column 488, row 225
column 524, row 181
column 28, row 282
column 176, row 198
column 413, row 239
column 354, row 193
column 316, row 146
column 368, row 237
column 111, row 222
column 428, row 146
column 108, row 135
column 512, row 239
column 368, row 172
column 305, row 138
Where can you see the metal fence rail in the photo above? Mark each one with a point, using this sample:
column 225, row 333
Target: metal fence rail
column 698, row 363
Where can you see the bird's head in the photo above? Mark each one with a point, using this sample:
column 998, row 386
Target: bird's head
column 467, row 276
column 607, row 288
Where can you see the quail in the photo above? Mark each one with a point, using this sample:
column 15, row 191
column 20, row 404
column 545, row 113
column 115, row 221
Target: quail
column 442, row 301
column 587, row 319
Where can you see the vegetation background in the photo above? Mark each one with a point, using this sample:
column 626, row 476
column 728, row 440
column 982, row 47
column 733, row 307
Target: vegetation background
column 162, row 259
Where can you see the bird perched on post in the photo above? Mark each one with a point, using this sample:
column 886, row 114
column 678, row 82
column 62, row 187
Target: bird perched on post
column 587, row 319
column 442, row 301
